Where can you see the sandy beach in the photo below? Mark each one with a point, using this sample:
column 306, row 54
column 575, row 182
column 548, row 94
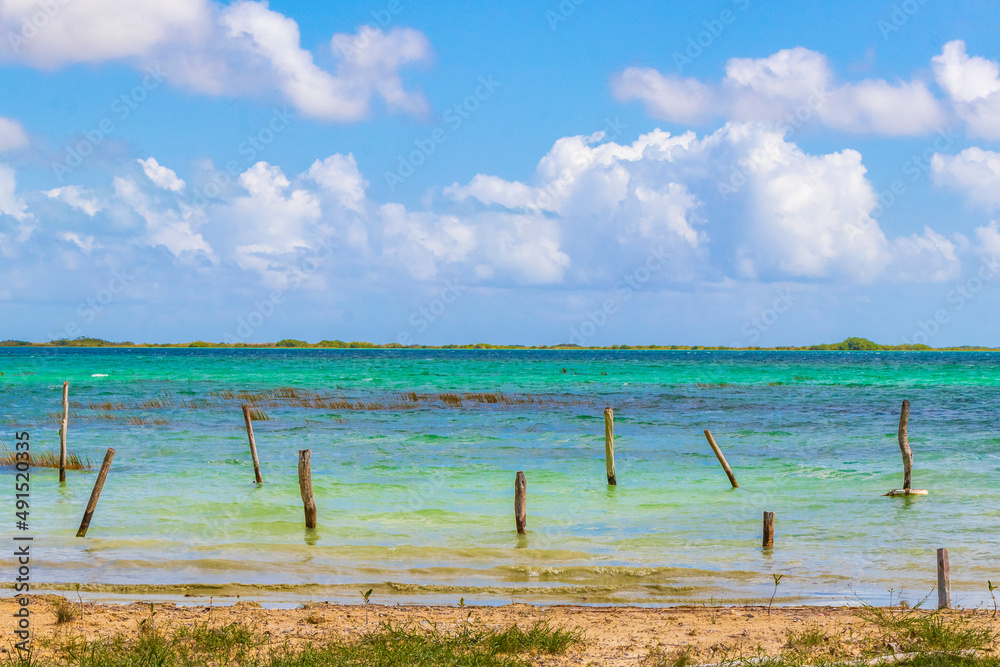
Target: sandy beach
column 611, row 635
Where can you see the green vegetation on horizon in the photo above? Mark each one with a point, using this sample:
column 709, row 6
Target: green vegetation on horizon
column 852, row 344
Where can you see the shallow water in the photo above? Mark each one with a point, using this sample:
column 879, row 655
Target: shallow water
column 420, row 495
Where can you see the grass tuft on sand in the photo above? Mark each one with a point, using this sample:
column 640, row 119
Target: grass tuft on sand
column 236, row 644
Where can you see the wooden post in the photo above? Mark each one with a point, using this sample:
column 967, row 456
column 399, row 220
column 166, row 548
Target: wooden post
column 306, row 487
column 722, row 459
column 609, row 445
column 768, row 541
column 95, row 495
column 904, row 448
column 253, row 445
column 944, row 579
column 904, row 445
column 520, row 502
column 62, row 433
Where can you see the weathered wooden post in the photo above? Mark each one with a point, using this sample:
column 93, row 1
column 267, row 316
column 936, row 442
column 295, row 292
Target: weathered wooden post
column 95, row 495
column 62, row 432
column 520, row 502
column 944, row 579
column 306, row 487
column 768, row 540
column 253, row 445
column 722, row 459
column 904, row 448
column 609, row 445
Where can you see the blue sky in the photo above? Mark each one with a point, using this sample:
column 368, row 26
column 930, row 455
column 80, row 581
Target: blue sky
column 734, row 172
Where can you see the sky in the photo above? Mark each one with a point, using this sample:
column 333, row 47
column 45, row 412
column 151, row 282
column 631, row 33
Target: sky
column 711, row 172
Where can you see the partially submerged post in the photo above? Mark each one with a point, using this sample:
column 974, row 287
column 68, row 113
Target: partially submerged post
column 95, row 495
column 944, row 579
column 253, row 445
column 520, row 502
column 62, row 432
column 609, row 445
column 904, row 448
column 306, row 487
column 768, row 540
column 722, row 459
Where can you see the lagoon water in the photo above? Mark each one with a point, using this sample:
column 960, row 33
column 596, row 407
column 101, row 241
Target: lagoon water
column 417, row 499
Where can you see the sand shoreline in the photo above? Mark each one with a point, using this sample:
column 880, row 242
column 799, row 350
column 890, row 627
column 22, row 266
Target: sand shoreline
column 614, row 635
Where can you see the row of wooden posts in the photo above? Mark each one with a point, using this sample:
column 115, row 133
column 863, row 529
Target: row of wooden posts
column 520, row 482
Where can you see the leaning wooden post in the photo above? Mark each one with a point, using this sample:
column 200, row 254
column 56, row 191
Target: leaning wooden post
column 722, row 459
column 904, row 448
column 95, row 495
column 520, row 502
column 944, row 579
column 62, row 432
column 768, row 540
column 306, row 487
column 609, row 445
column 253, row 445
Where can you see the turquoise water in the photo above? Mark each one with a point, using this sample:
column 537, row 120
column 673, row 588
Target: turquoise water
column 417, row 499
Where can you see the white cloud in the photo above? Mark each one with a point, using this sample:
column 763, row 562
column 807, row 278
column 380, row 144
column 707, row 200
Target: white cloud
column 973, row 83
column 10, row 203
column 85, row 243
column 172, row 228
column 989, row 239
column 243, row 49
column 162, row 177
column 791, row 216
column 974, row 172
column 12, row 135
column 76, row 197
column 53, row 34
column 792, row 83
column 339, row 176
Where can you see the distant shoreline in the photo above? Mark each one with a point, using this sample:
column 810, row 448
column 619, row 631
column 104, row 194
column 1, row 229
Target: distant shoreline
column 848, row 345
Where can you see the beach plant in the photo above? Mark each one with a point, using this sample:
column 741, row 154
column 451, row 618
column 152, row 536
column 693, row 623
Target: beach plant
column 777, row 580
column 65, row 612
column 993, row 588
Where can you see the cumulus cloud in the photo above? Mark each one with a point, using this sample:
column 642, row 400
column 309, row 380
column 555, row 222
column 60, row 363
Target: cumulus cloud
column 10, row 202
column 78, row 198
column 12, row 135
column 172, row 228
column 791, row 215
column 239, row 49
column 162, row 177
column 974, row 172
column 776, row 88
column 973, row 84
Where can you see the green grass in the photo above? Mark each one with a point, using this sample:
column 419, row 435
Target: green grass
column 234, row 644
